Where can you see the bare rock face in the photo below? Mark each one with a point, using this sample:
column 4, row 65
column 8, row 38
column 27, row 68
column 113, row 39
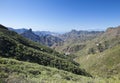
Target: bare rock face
column 113, row 31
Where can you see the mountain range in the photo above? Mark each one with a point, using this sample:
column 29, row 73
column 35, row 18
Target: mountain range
column 75, row 40
column 14, row 46
column 39, row 33
column 72, row 57
column 97, row 52
column 43, row 37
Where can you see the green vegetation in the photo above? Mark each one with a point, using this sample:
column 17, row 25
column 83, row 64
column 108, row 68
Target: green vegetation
column 75, row 41
column 15, row 46
column 14, row 71
column 91, row 42
column 24, row 61
column 101, row 55
column 40, row 37
column 104, row 64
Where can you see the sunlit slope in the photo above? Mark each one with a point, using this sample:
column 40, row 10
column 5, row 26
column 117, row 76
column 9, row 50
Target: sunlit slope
column 105, row 64
column 15, row 46
column 107, row 40
column 14, row 71
column 90, row 42
column 101, row 56
column 75, row 40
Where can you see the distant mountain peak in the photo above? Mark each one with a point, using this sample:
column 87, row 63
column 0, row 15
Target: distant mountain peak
column 31, row 35
column 30, row 30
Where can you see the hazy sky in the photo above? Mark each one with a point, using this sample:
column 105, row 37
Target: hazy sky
column 60, row 15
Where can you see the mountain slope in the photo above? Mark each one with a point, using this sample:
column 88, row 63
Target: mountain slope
column 104, row 58
column 75, row 40
column 19, row 31
column 44, row 37
column 90, row 42
column 43, row 33
column 99, row 55
column 30, row 35
column 105, row 64
column 39, row 33
column 110, row 38
column 14, row 71
column 15, row 46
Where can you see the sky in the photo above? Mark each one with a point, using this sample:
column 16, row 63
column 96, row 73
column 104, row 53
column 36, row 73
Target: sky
column 60, row 15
